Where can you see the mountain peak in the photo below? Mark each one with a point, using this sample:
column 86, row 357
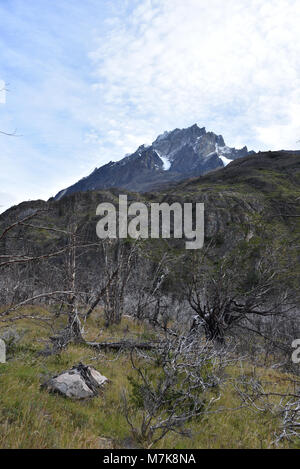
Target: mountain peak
column 174, row 155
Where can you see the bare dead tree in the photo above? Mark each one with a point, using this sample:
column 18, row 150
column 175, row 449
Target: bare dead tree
column 290, row 413
column 118, row 256
column 69, row 294
column 150, row 297
column 11, row 134
column 238, row 286
column 149, row 280
column 62, row 276
column 284, row 406
column 24, row 265
column 74, row 324
column 179, row 382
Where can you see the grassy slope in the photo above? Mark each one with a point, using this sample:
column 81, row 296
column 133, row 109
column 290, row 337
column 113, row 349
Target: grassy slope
column 31, row 418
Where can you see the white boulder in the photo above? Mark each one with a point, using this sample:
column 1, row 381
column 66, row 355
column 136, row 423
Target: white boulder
column 81, row 382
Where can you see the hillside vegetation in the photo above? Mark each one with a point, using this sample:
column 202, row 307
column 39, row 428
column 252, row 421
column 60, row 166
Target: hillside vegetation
column 202, row 339
column 32, row 418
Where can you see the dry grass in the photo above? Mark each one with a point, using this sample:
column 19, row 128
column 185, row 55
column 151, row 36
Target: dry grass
column 31, row 418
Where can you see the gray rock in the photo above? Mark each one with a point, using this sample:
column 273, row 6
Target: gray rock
column 2, row 351
column 81, row 382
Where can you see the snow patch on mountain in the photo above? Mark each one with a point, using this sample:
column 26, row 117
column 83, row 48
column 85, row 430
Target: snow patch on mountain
column 164, row 159
column 221, row 152
column 225, row 160
column 60, row 195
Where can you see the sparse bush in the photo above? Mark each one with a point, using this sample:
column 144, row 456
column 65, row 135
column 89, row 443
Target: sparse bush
column 176, row 384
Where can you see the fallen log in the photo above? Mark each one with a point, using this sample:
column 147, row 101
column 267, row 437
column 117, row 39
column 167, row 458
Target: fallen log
column 123, row 345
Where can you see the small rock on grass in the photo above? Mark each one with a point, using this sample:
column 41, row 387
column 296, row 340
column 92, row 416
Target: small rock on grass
column 80, row 382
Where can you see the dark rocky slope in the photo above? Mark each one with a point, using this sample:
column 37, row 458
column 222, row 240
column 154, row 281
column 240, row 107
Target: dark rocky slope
column 173, row 156
column 266, row 183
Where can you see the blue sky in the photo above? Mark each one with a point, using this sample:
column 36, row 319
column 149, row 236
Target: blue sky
column 88, row 81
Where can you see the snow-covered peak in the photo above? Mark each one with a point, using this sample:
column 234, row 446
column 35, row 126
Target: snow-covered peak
column 180, row 153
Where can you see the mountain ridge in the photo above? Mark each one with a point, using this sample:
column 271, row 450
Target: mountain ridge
column 262, row 186
column 174, row 155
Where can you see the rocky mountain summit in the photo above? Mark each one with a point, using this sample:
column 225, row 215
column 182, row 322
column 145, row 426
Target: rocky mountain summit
column 173, row 156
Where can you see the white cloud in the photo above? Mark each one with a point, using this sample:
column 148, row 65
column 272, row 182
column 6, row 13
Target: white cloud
column 232, row 66
column 93, row 80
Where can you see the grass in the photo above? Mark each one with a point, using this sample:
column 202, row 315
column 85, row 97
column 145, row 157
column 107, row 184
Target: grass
column 33, row 418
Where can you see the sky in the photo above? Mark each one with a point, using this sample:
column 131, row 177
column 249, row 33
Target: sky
column 84, row 83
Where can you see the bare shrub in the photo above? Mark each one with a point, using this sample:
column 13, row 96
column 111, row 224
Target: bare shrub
column 177, row 383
